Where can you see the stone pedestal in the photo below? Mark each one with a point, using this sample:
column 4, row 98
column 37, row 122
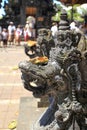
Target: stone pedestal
column 29, row 113
column 44, row 102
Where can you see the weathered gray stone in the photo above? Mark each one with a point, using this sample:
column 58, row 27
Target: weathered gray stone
column 28, row 113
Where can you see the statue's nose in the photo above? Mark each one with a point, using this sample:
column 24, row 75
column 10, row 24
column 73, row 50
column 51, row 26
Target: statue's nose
column 24, row 65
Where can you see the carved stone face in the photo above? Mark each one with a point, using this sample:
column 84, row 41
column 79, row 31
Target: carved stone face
column 61, row 37
column 42, row 32
column 67, row 38
column 45, row 41
column 75, row 56
column 42, row 36
column 64, row 34
column 64, row 38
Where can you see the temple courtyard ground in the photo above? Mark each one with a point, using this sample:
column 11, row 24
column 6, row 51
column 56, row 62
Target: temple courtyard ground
column 11, row 87
column 12, row 92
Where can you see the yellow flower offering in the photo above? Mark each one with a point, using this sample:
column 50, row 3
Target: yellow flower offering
column 39, row 60
column 31, row 43
column 12, row 125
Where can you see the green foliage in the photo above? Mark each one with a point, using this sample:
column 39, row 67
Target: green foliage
column 75, row 6
column 56, row 17
column 76, row 16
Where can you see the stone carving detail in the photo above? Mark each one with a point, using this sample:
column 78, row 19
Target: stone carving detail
column 64, row 79
column 43, row 46
column 45, row 41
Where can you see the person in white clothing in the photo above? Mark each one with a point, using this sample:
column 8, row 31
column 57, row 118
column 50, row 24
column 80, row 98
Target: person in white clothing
column 18, row 34
column 0, row 36
column 11, row 32
column 4, row 37
column 26, row 34
column 73, row 26
column 54, row 29
column 31, row 30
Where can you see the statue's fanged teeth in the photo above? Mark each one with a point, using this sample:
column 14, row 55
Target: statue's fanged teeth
column 33, row 83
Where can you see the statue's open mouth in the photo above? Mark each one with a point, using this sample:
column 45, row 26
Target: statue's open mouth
column 34, row 83
column 37, row 88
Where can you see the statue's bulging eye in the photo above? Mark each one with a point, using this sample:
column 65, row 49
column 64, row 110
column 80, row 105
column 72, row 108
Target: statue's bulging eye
column 61, row 38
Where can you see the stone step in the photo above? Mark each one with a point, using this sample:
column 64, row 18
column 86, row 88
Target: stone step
column 28, row 113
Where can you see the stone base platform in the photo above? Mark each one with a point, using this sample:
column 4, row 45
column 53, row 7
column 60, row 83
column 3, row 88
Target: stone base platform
column 29, row 113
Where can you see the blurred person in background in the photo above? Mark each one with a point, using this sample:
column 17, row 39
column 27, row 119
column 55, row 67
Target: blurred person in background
column 25, row 33
column 0, row 36
column 30, row 25
column 18, row 34
column 11, row 32
column 4, row 37
column 54, row 29
column 74, row 27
